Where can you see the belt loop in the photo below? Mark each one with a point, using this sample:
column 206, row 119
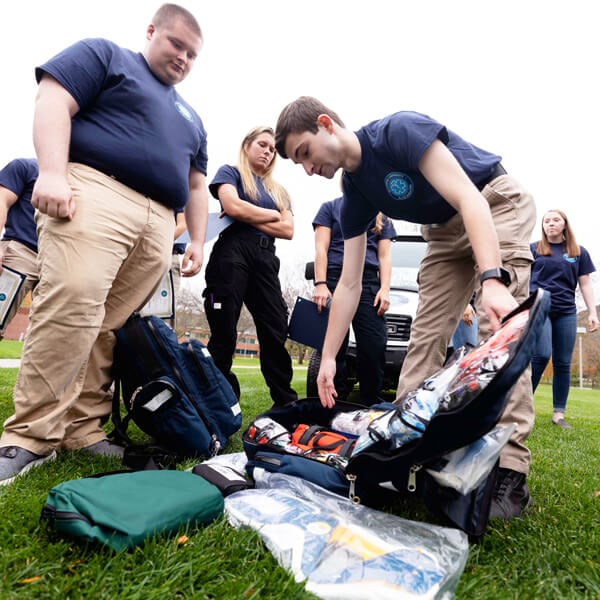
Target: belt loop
column 263, row 242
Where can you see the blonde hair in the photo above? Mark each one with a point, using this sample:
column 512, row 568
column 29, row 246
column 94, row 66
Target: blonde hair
column 275, row 190
column 380, row 220
column 569, row 241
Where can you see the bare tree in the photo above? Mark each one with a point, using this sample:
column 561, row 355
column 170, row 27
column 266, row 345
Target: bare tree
column 294, row 284
column 190, row 311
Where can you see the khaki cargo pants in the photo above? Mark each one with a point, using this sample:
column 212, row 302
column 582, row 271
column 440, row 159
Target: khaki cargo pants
column 447, row 278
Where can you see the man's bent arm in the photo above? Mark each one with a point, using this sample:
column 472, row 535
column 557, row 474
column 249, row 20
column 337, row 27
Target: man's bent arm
column 445, row 174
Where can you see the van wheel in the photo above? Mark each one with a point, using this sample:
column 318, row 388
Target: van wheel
column 311, row 375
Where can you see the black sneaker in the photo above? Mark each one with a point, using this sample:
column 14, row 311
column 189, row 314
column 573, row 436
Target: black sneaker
column 511, row 496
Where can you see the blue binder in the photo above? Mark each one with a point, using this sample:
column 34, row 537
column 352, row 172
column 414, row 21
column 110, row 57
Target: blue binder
column 307, row 326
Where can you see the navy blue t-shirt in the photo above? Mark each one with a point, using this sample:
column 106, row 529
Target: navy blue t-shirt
column 19, row 177
column 130, row 125
column 229, row 174
column 388, row 178
column 329, row 216
column 559, row 274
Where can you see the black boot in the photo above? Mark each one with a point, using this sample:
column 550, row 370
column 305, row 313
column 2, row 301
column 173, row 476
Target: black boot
column 511, row 496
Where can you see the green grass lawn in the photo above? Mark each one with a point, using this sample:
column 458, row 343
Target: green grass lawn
column 554, row 552
column 10, row 349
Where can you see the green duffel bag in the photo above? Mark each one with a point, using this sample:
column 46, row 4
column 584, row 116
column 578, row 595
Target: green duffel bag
column 123, row 510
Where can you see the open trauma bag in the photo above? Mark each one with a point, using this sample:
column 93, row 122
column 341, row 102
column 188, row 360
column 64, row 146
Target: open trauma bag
column 476, row 385
column 173, row 391
column 122, row 510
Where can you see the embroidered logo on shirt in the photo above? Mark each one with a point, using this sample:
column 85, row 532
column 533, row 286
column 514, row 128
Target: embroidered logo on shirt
column 184, row 111
column 568, row 258
column 399, row 186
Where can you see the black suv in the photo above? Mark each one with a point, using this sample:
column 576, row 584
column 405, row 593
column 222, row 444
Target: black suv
column 407, row 252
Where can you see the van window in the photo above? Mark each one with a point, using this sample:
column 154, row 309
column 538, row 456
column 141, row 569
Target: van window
column 407, row 253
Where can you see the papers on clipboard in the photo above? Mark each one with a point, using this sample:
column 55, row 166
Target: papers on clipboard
column 10, row 284
column 216, row 224
column 162, row 302
column 307, row 325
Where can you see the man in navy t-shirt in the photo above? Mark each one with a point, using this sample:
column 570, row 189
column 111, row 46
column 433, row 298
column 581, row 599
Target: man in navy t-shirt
column 18, row 249
column 476, row 219
column 118, row 151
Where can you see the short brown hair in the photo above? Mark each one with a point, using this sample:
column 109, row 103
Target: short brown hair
column 167, row 13
column 299, row 116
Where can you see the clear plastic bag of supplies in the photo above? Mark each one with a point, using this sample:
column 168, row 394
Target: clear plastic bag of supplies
column 408, row 422
column 465, row 468
column 355, row 422
column 346, row 551
column 466, row 374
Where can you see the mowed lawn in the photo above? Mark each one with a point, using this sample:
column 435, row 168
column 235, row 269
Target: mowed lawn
column 554, row 552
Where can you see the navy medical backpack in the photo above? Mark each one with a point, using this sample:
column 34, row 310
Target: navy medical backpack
column 172, row 391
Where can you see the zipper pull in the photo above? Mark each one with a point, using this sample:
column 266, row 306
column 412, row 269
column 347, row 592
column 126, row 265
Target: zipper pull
column 135, row 394
column 412, row 477
column 351, row 492
column 215, row 446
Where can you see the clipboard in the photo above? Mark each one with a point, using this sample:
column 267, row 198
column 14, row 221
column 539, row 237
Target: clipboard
column 307, row 326
column 11, row 282
column 162, row 302
column 215, row 225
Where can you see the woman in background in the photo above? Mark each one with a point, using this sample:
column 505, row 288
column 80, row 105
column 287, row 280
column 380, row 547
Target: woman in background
column 369, row 320
column 243, row 267
column 559, row 265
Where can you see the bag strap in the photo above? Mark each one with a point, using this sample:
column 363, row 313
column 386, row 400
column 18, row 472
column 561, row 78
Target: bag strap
column 315, row 433
column 309, row 432
column 150, row 457
column 120, row 424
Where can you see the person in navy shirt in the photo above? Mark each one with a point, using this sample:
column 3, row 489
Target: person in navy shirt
column 243, row 267
column 368, row 322
column 560, row 264
column 118, row 151
column 18, row 248
column 476, row 219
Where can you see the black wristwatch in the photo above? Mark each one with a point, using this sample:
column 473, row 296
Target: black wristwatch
column 499, row 273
